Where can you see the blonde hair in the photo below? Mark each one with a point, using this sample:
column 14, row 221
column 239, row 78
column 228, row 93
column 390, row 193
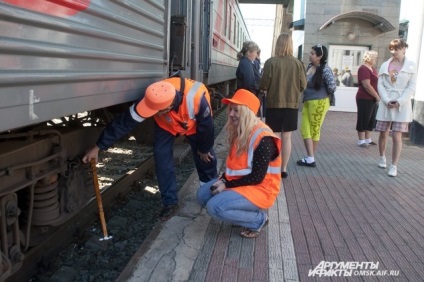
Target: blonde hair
column 239, row 136
column 284, row 45
column 247, row 46
column 370, row 56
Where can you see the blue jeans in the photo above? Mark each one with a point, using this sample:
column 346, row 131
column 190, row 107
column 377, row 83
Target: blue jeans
column 230, row 206
column 165, row 168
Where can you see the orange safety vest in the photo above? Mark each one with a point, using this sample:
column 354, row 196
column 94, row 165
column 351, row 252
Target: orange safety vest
column 184, row 122
column 263, row 194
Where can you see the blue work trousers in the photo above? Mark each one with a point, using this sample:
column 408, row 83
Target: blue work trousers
column 165, row 167
column 230, row 206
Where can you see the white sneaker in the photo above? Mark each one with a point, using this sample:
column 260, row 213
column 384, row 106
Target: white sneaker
column 382, row 162
column 392, row 171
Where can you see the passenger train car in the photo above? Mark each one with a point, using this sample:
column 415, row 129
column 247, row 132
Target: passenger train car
column 65, row 67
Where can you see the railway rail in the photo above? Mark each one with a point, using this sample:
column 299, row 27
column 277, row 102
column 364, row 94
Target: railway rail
column 41, row 256
column 130, row 195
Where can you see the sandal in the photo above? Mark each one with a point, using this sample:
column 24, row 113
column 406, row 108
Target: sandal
column 248, row 233
column 244, row 231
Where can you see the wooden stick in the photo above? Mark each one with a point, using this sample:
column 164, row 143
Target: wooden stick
column 99, row 199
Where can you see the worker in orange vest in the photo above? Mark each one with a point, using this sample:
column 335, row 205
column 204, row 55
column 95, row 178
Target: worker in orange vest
column 252, row 177
column 179, row 106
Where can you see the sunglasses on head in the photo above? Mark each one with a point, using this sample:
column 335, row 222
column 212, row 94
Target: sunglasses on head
column 320, row 46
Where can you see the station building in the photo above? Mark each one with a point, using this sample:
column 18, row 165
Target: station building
column 350, row 27
column 347, row 28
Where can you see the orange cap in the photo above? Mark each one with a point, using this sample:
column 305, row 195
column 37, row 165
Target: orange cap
column 244, row 97
column 158, row 96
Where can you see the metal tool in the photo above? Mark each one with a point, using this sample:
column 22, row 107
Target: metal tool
column 99, row 200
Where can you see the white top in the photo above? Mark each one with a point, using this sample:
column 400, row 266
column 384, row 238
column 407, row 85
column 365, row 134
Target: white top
column 401, row 90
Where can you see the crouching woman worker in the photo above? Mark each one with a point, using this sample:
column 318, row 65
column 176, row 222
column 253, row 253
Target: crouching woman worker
column 251, row 181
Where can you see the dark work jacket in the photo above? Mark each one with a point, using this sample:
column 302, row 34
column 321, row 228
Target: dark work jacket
column 125, row 123
column 247, row 76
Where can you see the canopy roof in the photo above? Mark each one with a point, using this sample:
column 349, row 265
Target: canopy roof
column 281, row 2
column 378, row 22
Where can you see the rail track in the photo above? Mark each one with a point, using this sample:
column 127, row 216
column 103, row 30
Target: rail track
column 40, row 257
column 127, row 178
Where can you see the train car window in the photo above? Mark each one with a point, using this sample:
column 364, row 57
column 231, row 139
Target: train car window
column 240, row 35
column 225, row 17
column 234, row 29
column 237, row 34
column 230, row 20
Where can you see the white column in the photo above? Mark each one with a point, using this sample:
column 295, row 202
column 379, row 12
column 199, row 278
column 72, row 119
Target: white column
column 415, row 52
column 415, row 41
column 415, row 31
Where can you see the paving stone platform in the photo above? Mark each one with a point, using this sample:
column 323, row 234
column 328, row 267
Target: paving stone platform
column 344, row 210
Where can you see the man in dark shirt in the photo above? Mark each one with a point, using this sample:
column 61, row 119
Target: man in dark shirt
column 180, row 107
